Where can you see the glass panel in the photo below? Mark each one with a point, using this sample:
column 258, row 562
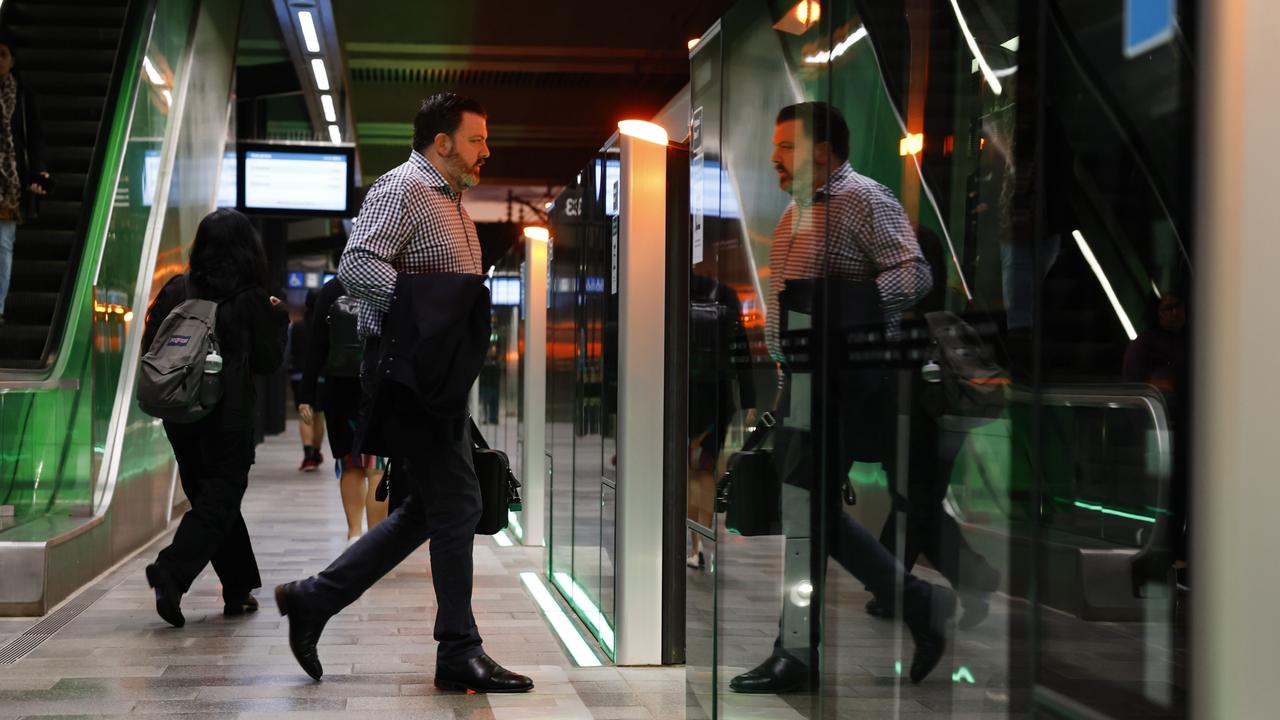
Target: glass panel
column 582, row 412
column 981, row 343
column 1112, row 425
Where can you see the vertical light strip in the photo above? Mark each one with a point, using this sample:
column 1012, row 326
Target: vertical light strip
column 335, row 135
column 330, row 112
column 322, row 77
column 1106, row 284
column 992, row 80
column 309, row 37
column 501, row 539
column 569, row 635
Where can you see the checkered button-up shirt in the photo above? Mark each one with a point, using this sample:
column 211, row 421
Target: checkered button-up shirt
column 852, row 229
column 410, row 222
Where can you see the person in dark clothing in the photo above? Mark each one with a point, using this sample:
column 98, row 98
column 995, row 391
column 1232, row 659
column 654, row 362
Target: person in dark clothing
column 844, row 255
column 215, row 453
column 1159, row 354
column 330, row 355
column 310, row 425
column 23, row 174
column 413, row 223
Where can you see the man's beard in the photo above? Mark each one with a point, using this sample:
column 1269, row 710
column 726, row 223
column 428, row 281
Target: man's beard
column 466, row 176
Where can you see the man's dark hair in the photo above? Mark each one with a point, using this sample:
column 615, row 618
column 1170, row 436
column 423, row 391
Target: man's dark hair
column 441, row 113
column 823, row 122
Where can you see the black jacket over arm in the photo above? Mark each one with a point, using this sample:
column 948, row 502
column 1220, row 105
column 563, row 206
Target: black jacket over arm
column 434, row 339
column 317, row 350
column 251, row 335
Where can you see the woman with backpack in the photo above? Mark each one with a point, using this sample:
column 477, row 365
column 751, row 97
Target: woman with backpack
column 215, row 452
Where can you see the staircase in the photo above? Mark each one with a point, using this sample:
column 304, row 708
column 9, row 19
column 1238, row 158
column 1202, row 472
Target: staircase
column 65, row 54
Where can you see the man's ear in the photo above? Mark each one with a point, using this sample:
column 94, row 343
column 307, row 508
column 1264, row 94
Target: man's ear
column 823, row 153
column 443, row 144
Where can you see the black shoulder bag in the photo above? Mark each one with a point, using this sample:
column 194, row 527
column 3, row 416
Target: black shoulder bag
column 749, row 493
column 499, row 489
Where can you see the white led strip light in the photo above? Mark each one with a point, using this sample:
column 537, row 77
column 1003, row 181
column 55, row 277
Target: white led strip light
column 569, row 635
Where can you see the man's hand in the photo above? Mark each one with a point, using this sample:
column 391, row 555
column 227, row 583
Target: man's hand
column 305, row 413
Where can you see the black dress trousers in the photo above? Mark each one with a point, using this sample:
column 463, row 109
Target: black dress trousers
column 214, row 466
column 442, row 504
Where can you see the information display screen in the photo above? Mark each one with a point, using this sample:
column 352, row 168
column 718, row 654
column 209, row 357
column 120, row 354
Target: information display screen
column 297, row 179
column 226, row 178
column 504, row 290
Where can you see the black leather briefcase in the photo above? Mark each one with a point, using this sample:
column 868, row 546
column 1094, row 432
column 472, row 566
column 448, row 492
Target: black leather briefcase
column 749, row 493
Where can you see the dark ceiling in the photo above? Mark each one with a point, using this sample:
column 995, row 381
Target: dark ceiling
column 555, row 76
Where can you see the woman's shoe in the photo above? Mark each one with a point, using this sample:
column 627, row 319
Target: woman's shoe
column 168, row 599
column 240, row 604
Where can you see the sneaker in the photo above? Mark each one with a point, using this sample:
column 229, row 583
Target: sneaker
column 309, row 465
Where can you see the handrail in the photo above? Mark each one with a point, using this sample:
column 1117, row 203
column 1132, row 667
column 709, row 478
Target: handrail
column 108, row 153
column 1115, row 395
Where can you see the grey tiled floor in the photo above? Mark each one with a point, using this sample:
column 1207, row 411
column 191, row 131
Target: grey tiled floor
column 118, row 658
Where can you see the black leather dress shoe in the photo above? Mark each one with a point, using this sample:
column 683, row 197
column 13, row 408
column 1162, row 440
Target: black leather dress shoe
column 480, row 674
column 927, row 620
column 777, row 674
column 239, row 603
column 304, row 629
column 168, row 598
column 875, row 609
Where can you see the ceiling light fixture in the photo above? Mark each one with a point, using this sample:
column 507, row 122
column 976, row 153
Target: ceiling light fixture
column 840, row 48
column 330, row 114
column 535, row 232
column 694, row 43
column 643, row 130
column 322, row 78
column 309, row 36
column 1105, row 283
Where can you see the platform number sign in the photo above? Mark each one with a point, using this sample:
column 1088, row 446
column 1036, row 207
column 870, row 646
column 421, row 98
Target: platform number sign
column 1147, row 25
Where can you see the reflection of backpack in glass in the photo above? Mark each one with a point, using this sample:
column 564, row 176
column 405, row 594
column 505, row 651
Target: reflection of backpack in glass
column 180, row 377
column 345, row 349
column 973, row 382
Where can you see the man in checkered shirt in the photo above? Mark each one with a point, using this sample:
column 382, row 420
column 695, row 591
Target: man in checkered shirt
column 839, row 226
column 412, row 221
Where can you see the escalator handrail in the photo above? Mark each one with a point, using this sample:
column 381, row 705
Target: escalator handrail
column 1139, row 396
column 108, row 154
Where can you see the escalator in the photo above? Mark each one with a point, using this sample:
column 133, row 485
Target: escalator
column 67, row 55
column 126, row 88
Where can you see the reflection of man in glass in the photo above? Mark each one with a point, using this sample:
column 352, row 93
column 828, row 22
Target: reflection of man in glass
column 849, row 233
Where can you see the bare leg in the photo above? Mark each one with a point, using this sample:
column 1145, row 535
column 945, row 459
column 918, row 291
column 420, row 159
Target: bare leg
column 375, row 512
column 352, row 488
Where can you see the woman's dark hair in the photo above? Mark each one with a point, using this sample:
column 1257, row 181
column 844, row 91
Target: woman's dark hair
column 227, row 255
column 441, row 113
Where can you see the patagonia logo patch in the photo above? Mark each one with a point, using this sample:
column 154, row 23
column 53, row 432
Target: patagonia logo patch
column 178, row 341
